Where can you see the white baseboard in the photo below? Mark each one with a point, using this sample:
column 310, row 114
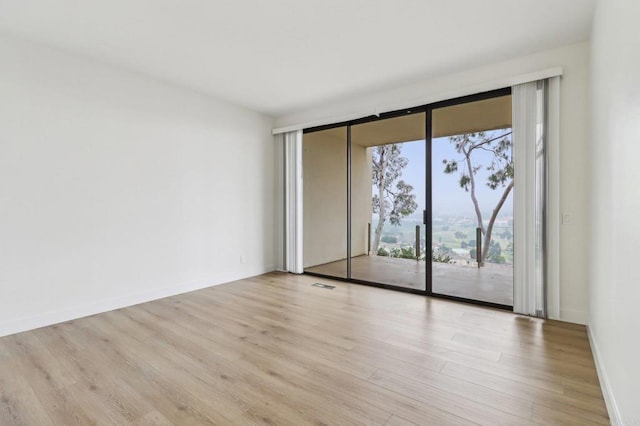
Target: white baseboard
column 574, row 316
column 609, row 399
column 61, row 315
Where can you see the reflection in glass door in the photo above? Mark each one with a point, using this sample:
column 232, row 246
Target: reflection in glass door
column 471, row 214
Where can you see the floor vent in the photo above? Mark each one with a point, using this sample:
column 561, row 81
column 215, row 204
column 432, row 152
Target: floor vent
column 327, row 286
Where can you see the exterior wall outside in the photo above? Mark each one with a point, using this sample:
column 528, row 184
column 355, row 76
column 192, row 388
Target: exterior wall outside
column 324, row 161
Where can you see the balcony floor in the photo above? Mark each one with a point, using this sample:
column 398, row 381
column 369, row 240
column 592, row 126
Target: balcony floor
column 491, row 283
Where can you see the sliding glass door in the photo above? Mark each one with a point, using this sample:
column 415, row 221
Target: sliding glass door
column 387, row 199
column 325, row 183
column 419, row 200
column 471, row 213
column 364, row 195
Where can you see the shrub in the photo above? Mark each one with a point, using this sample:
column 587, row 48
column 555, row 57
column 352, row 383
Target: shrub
column 441, row 258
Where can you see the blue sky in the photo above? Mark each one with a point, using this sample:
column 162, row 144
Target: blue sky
column 448, row 198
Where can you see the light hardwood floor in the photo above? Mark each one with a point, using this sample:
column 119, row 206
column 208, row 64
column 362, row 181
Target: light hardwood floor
column 275, row 350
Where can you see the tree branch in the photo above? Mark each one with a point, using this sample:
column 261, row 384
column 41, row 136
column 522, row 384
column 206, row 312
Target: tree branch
column 494, row 215
column 488, row 141
column 472, row 181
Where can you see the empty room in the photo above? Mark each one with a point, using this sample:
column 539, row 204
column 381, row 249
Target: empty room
column 327, row 213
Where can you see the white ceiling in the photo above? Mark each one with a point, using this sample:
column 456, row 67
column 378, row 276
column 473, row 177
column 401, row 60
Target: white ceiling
column 276, row 56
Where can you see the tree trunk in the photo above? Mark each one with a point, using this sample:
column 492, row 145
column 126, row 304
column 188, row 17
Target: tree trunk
column 382, row 217
column 376, row 238
column 494, row 215
column 382, row 210
column 472, row 181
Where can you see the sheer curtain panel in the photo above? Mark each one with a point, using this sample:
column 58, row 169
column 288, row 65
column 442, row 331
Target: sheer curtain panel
column 530, row 194
column 289, row 201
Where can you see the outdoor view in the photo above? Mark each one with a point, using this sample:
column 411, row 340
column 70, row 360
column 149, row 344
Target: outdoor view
column 474, row 190
column 472, row 176
column 471, row 210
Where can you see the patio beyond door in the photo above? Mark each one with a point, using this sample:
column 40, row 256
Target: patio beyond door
column 389, row 157
column 471, row 210
column 418, row 200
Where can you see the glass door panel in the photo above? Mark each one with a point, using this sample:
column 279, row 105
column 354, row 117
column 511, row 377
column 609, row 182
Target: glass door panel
column 388, row 160
column 472, row 201
column 324, row 165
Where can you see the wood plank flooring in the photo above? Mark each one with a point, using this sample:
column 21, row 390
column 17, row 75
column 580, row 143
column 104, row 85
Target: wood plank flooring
column 275, row 350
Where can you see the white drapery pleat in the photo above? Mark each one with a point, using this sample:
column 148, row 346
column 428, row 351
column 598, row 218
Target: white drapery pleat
column 289, row 202
column 530, row 196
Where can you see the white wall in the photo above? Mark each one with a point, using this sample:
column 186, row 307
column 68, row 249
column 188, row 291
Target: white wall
column 574, row 149
column 615, row 174
column 117, row 189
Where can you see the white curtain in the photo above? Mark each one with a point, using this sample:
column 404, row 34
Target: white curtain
column 530, row 195
column 552, row 150
column 289, row 201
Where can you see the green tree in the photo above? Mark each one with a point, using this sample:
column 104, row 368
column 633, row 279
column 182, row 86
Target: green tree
column 460, row 235
column 441, row 258
column 495, row 253
column 509, row 249
column 500, row 172
column 403, row 252
column 394, row 198
column 382, row 252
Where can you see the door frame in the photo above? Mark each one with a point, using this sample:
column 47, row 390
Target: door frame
column 428, row 110
column 428, row 214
